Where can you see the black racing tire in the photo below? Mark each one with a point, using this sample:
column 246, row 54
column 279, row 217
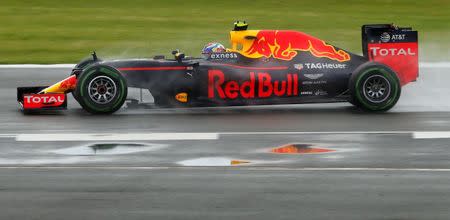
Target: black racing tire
column 101, row 89
column 374, row 87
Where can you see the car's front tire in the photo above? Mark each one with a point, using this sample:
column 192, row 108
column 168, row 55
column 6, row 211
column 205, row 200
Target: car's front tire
column 101, row 89
column 374, row 87
column 83, row 64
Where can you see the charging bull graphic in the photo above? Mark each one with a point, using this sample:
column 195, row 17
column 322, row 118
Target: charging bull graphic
column 285, row 44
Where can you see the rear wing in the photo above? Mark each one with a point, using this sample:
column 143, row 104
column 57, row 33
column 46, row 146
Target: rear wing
column 396, row 47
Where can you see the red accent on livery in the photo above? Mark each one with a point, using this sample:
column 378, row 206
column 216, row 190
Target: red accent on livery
column 184, row 67
column 153, row 68
column 403, row 58
column 259, row 85
column 285, row 44
column 69, row 83
column 36, row 101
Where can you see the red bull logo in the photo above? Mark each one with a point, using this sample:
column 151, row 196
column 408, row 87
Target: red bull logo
column 259, row 85
column 286, row 44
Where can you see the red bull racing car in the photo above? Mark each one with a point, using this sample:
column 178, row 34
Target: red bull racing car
column 262, row 67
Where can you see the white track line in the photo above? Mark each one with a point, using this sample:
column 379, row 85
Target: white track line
column 27, row 66
column 431, row 135
column 166, row 136
column 314, row 132
column 117, row 137
column 36, row 66
column 149, row 136
column 8, row 135
column 364, row 169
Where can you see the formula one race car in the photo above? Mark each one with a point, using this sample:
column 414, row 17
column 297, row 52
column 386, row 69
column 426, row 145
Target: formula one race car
column 262, row 67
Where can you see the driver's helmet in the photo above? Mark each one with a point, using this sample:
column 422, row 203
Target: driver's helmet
column 213, row 48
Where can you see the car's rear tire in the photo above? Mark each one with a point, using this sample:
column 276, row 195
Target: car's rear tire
column 101, row 89
column 374, row 87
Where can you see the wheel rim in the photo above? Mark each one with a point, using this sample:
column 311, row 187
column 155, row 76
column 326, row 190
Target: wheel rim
column 376, row 88
column 102, row 89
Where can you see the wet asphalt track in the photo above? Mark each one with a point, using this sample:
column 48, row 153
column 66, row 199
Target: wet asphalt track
column 377, row 171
